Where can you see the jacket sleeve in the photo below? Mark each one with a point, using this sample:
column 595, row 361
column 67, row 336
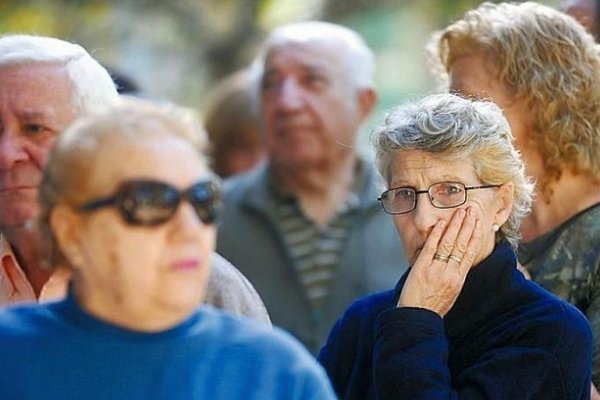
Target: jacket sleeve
column 592, row 312
column 411, row 362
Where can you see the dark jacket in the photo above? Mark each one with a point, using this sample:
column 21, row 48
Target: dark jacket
column 566, row 261
column 250, row 237
column 505, row 338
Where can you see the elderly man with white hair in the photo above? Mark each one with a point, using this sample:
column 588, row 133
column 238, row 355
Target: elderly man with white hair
column 305, row 226
column 45, row 84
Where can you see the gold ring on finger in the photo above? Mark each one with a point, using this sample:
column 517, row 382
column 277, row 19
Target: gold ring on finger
column 455, row 258
column 440, row 257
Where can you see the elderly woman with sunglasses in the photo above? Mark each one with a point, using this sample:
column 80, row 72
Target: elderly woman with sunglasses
column 463, row 322
column 131, row 206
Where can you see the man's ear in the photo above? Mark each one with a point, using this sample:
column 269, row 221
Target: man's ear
column 65, row 224
column 504, row 199
column 367, row 99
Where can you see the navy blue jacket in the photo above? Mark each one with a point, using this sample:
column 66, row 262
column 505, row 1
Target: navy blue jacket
column 505, row 338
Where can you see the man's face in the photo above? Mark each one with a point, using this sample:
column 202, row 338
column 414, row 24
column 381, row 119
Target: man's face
column 310, row 106
column 35, row 106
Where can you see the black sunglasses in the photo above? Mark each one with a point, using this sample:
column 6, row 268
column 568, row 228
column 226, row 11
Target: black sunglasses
column 151, row 203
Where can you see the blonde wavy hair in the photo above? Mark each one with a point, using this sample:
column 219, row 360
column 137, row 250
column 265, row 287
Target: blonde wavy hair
column 454, row 128
column 546, row 58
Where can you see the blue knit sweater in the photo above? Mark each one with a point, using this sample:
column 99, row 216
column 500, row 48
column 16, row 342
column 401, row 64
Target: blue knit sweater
column 58, row 351
column 505, row 338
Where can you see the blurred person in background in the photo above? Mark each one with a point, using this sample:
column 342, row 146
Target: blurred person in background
column 587, row 12
column 233, row 124
column 305, row 226
column 463, row 323
column 130, row 207
column 45, row 83
column 543, row 69
column 124, row 83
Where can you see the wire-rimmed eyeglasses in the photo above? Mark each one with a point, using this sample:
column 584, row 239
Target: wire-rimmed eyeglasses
column 402, row 200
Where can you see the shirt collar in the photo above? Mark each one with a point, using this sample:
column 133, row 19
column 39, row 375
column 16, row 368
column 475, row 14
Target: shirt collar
column 352, row 202
column 5, row 249
column 16, row 288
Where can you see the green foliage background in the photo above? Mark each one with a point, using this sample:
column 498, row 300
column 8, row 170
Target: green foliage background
column 177, row 50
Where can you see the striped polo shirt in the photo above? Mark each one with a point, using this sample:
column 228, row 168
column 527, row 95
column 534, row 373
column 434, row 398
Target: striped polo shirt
column 315, row 249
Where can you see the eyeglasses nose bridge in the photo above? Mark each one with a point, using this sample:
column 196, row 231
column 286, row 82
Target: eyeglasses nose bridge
column 429, row 197
column 185, row 209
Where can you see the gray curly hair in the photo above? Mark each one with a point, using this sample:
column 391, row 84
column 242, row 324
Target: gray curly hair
column 453, row 128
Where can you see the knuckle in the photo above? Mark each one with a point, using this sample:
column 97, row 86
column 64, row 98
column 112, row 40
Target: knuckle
column 461, row 247
column 469, row 256
column 447, row 248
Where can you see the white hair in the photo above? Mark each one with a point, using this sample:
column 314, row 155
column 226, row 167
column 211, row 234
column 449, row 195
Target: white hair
column 93, row 87
column 357, row 57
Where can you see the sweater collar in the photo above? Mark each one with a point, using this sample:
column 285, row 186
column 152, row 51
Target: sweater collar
column 487, row 287
column 70, row 309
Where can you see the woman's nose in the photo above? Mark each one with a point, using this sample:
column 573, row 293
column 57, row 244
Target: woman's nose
column 187, row 221
column 425, row 215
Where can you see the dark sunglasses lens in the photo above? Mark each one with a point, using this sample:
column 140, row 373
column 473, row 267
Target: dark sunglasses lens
column 149, row 203
column 205, row 197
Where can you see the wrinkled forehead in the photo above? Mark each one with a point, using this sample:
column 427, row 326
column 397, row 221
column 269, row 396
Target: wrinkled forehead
column 155, row 156
column 41, row 86
column 413, row 166
column 109, row 154
column 326, row 55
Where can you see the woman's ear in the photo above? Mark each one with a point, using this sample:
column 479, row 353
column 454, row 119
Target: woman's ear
column 65, row 224
column 504, row 199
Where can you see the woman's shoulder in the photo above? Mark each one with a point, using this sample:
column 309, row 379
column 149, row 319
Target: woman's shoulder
column 550, row 319
column 232, row 330
column 358, row 319
column 367, row 308
column 25, row 325
column 271, row 349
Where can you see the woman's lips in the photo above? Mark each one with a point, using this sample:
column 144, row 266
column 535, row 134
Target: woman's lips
column 189, row 264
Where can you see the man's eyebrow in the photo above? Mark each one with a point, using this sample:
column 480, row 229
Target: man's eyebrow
column 37, row 113
column 304, row 67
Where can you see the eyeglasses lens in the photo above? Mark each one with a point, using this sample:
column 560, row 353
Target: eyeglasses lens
column 447, row 194
column 153, row 203
column 149, row 203
column 204, row 197
column 401, row 200
column 442, row 195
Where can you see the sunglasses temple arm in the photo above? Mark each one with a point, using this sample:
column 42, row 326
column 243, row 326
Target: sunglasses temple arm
column 94, row 205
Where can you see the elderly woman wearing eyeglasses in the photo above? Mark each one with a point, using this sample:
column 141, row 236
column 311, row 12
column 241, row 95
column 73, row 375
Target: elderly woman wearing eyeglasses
column 463, row 322
column 131, row 206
